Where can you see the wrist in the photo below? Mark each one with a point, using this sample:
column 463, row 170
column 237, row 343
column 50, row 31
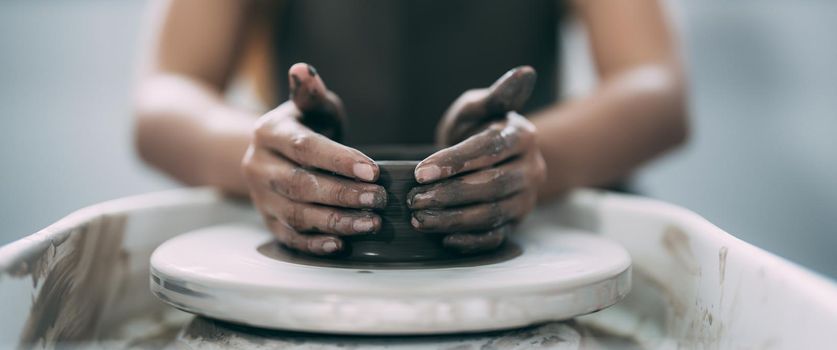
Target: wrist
column 228, row 133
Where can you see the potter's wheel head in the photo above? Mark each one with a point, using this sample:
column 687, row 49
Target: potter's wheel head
column 549, row 273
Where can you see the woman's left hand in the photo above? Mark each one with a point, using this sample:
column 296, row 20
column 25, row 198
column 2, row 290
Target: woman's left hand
column 478, row 188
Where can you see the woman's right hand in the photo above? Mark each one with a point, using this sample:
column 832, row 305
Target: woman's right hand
column 310, row 189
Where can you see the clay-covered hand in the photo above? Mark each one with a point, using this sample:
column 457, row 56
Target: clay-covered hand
column 478, row 188
column 310, row 189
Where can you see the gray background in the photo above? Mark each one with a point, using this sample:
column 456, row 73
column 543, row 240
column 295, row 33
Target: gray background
column 761, row 164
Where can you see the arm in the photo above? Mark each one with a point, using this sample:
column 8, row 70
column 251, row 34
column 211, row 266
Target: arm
column 636, row 113
column 494, row 167
column 310, row 189
column 183, row 126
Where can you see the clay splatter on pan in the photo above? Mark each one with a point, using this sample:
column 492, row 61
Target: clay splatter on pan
column 676, row 242
column 71, row 299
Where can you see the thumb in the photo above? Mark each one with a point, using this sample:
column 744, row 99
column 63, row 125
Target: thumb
column 511, row 91
column 321, row 109
column 306, row 87
column 472, row 112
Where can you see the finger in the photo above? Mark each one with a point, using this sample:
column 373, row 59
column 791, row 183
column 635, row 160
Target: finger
column 483, row 186
column 511, row 91
column 493, row 145
column 477, row 108
column 475, row 217
column 469, row 243
column 309, row 243
column 304, row 217
column 307, row 89
column 321, row 109
column 284, row 135
column 285, row 178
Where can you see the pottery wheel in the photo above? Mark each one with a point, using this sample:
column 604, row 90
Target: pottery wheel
column 557, row 274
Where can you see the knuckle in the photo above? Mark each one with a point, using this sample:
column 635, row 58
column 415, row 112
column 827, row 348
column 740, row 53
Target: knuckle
column 333, row 220
column 276, row 187
column 297, row 242
column 497, row 141
column 300, row 183
column 249, row 167
column 343, row 195
column 281, row 231
column 300, row 143
column 445, row 193
column 295, row 215
column 263, row 132
column 309, row 245
column 339, row 161
column 497, row 214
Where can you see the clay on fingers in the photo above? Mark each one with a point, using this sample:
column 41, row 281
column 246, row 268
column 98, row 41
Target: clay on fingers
column 304, row 217
column 500, row 141
column 282, row 176
column 486, row 185
column 470, row 243
column 475, row 109
column 288, row 137
column 321, row 109
column 308, row 243
column 511, row 91
column 474, row 217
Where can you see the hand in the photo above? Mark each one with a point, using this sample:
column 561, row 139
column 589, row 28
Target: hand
column 478, row 188
column 309, row 188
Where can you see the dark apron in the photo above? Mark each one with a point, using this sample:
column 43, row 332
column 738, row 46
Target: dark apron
column 398, row 65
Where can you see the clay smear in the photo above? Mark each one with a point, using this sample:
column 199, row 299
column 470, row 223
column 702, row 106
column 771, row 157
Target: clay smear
column 78, row 278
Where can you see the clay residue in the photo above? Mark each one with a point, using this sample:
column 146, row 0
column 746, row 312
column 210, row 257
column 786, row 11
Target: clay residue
column 676, row 242
column 204, row 333
column 31, row 262
column 79, row 277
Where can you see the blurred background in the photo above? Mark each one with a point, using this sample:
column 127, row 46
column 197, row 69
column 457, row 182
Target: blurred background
column 761, row 163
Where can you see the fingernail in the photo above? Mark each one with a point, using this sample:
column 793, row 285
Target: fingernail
column 414, row 222
column 312, row 71
column 363, row 225
column 428, row 173
column 329, row 246
column 364, row 171
column 367, row 198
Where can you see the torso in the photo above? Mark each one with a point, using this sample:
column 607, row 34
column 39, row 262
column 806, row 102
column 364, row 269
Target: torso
column 398, row 65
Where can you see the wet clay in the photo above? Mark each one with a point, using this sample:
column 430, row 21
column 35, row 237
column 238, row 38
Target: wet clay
column 396, row 241
column 274, row 250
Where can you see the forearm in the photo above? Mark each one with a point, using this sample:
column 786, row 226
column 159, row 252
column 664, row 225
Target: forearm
column 630, row 118
column 185, row 129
